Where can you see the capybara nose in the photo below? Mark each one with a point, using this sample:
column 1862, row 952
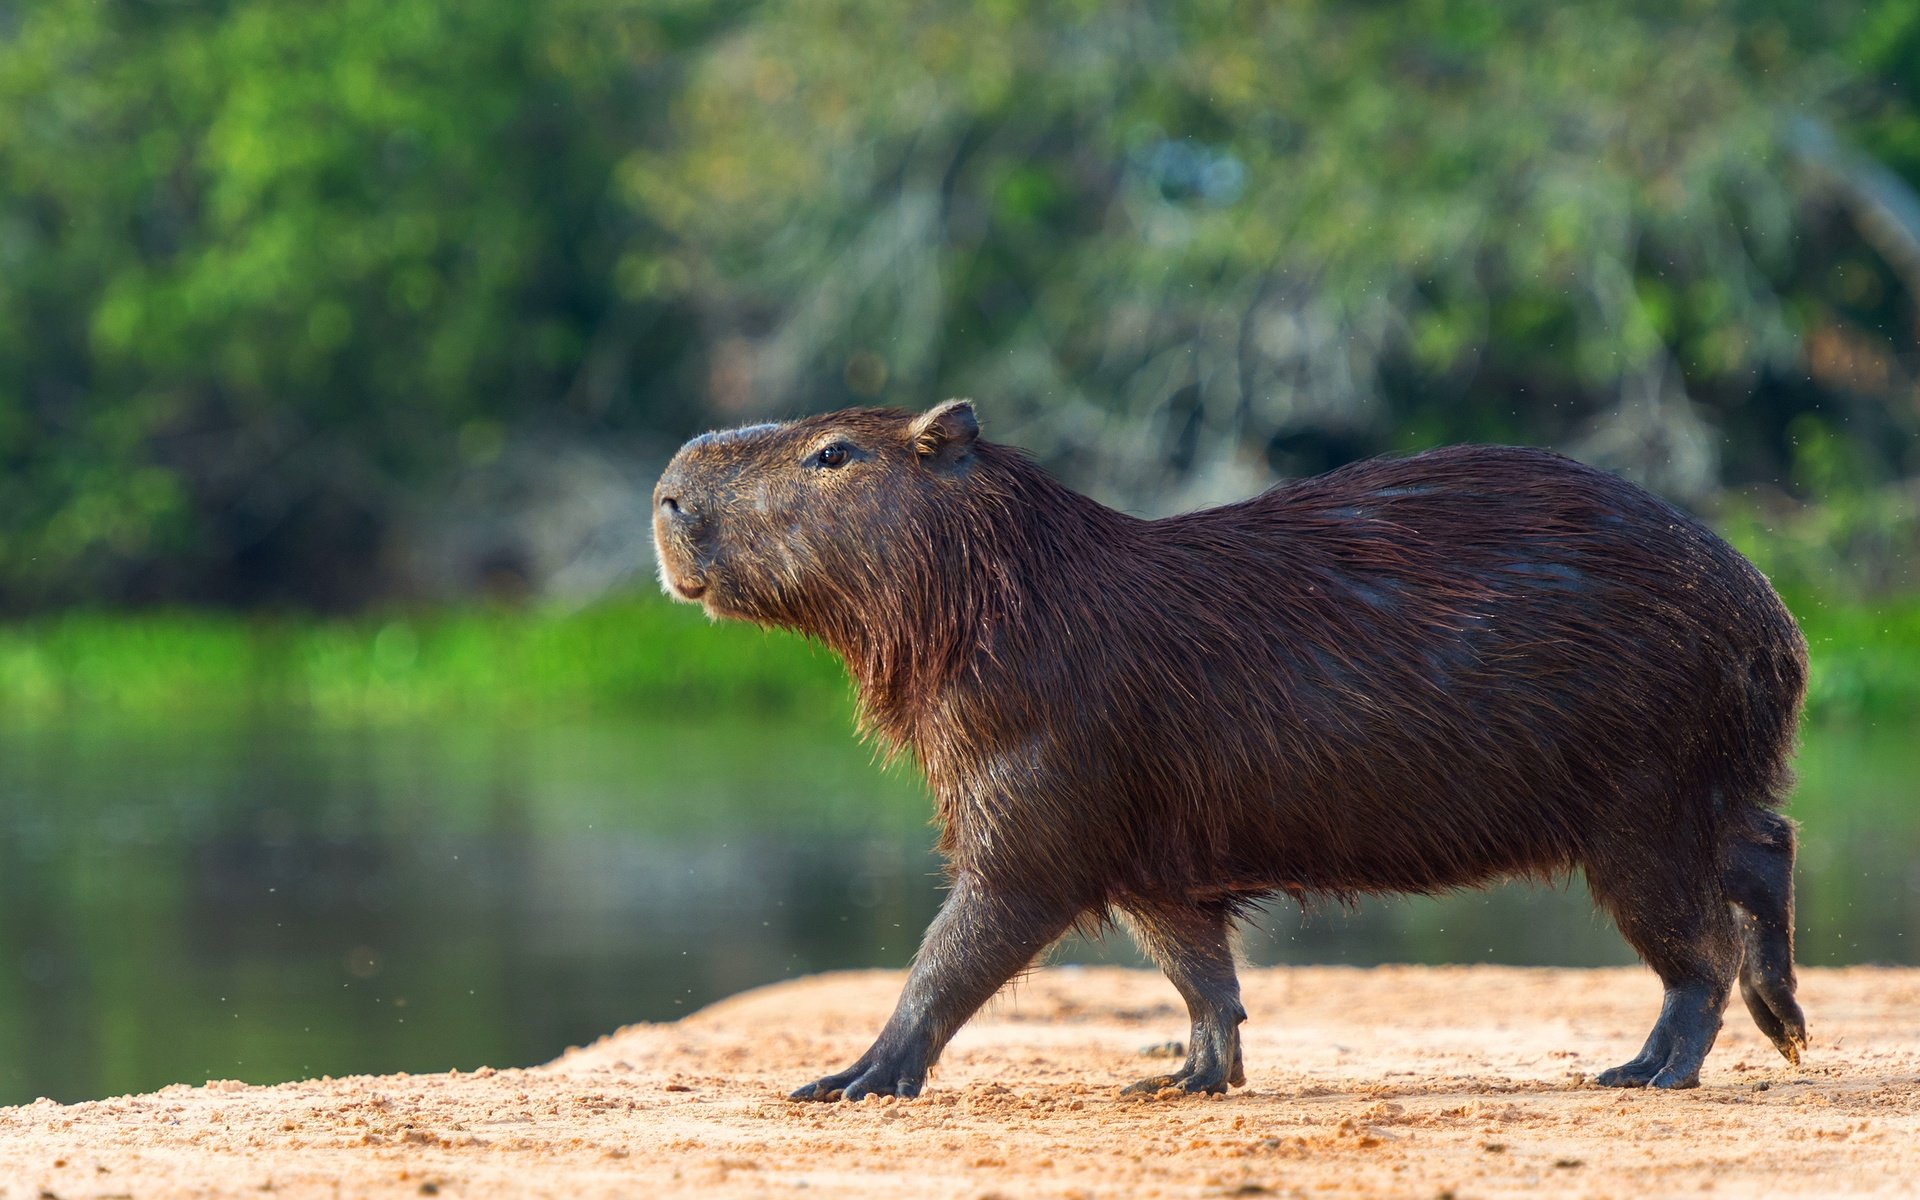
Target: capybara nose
column 675, row 508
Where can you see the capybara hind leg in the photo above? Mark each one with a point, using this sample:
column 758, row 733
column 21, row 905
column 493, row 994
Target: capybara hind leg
column 1684, row 930
column 1760, row 884
column 1689, row 1022
column 983, row 936
column 1191, row 944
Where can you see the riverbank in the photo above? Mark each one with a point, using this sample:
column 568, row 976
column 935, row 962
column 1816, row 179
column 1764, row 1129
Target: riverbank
column 1394, row 1081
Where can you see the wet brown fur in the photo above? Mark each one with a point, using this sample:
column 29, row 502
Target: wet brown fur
column 1407, row 675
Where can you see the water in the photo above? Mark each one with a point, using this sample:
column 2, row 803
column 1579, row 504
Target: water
column 271, row 902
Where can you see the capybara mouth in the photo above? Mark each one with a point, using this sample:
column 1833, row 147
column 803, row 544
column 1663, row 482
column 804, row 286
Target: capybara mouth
column 675, row 580
column 682, row 586
column 679, row 566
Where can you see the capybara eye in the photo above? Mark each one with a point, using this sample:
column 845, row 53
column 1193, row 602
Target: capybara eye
column 832, row 456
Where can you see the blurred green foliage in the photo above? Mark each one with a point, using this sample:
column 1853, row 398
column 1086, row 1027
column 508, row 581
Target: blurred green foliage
column 264, row 265
column 640, row 657
column 271, row 270
column 646, row 655
column 1193, row 245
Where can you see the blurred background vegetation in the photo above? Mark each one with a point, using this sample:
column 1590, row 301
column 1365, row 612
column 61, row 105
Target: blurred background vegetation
column 340, row 345
column 283, row 285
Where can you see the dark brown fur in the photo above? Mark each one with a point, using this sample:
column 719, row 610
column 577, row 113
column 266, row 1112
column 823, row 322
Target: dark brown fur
column 1407, row 675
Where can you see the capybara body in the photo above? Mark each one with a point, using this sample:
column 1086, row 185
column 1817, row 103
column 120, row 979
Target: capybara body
column 1407, row 675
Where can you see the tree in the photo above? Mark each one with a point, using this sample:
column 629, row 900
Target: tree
column 270, row 263
column 1177, row 248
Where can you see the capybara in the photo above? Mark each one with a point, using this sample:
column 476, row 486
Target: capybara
column 1407, row 675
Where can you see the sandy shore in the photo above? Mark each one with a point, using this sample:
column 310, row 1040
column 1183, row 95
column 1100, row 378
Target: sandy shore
column 1400, row 1081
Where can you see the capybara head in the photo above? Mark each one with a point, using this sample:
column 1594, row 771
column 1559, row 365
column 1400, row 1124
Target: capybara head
column 818, row 524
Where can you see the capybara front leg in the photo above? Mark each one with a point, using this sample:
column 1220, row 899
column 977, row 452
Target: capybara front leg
column 1190, row 943
column 982, row 937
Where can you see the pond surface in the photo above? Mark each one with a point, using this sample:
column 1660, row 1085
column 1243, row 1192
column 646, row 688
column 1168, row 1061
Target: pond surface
column 276, row 901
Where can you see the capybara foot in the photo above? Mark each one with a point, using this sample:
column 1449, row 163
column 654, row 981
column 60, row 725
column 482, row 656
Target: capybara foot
column 1671, row 1079
column 1779, row 1017
column 1689, row 1022
column 1189, row 1080
column 1645, row 1072
column 1636, row 1074
column 865, row 1079
column 1153, row 1084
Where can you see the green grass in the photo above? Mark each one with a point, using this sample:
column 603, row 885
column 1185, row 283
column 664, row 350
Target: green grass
column 639, row 654
column 636, row 654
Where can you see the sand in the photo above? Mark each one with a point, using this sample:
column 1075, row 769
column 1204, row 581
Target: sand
column 1397, row 1081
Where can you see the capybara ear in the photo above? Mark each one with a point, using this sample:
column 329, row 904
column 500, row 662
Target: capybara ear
column 945, row 433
